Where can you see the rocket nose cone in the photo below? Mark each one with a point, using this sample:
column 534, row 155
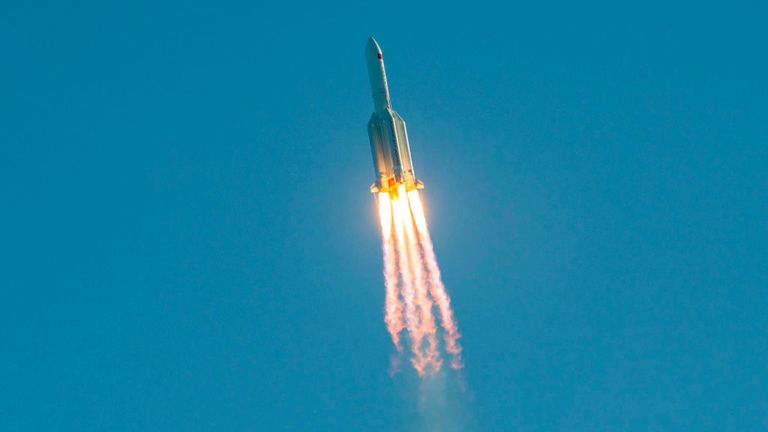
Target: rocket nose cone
column 372, row 49
column 376, row 75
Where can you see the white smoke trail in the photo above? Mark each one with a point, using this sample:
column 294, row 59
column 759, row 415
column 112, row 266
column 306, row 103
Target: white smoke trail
column 411, row 273
column 436, row 287
column 424, row 303
column 393, row 310
column 411, row 317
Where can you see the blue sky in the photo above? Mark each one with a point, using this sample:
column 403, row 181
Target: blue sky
column 189, row 242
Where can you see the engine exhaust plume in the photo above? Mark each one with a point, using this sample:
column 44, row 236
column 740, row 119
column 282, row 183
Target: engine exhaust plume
column 411, row 273
column 436, row 287
column 406, row 277
column 393, row 310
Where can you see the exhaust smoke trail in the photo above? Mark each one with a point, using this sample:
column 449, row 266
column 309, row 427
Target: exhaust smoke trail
column 437, row 289
column 393, row 311
column 406, row 279
column 423, row 301
column 411, row 272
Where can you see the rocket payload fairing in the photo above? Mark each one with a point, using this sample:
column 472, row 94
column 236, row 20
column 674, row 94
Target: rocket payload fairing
column 387, row 132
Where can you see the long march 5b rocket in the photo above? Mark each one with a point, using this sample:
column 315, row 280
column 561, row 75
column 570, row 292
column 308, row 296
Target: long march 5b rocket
column 387, row 132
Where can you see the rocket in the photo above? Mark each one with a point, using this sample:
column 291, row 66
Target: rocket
column 386, row 131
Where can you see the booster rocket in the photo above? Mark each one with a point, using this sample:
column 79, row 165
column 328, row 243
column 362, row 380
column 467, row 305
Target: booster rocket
column 386, row 130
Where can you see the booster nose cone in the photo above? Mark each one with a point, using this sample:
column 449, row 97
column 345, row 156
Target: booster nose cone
column 377, row 75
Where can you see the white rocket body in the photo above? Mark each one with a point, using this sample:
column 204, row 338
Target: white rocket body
column 387, row 131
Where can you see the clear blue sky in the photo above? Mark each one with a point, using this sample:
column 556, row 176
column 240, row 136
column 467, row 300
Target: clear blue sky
column 188, row 241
